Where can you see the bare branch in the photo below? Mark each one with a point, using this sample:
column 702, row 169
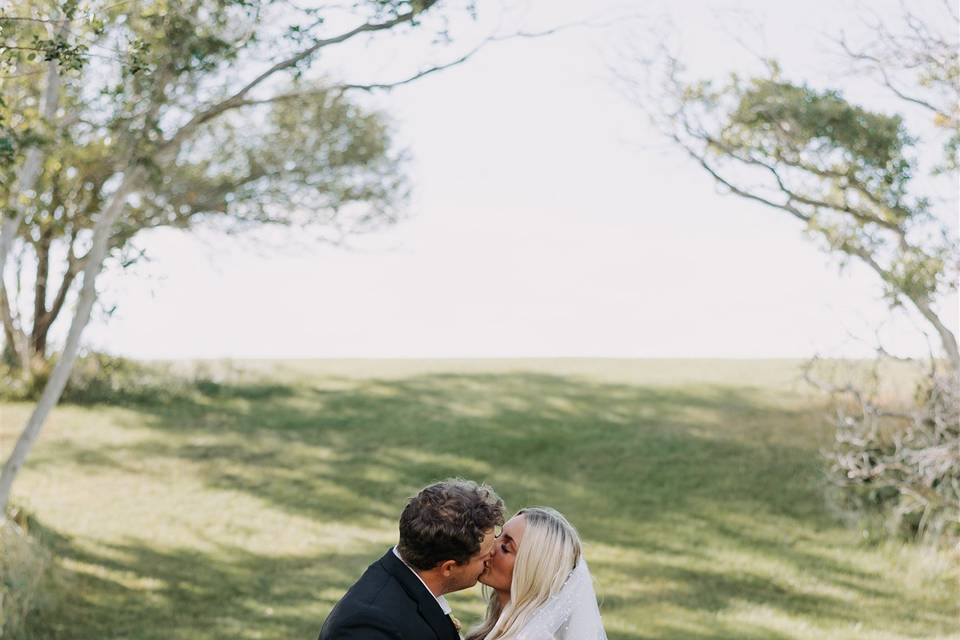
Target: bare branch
column 4, row 18
column 463, row 58
column 879, row 66
column 420, row 74
column 213, row 111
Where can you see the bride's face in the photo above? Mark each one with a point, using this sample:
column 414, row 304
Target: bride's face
column 500, row 572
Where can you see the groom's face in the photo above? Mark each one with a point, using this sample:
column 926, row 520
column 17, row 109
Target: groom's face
column 465, row 575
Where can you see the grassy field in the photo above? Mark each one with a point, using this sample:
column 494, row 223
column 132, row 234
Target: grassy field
column 243, row 508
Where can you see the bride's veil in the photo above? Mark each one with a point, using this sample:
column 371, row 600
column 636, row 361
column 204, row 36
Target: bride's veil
column 571, row 614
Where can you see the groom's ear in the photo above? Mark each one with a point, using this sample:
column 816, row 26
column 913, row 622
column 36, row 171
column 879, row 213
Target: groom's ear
column 446, row 567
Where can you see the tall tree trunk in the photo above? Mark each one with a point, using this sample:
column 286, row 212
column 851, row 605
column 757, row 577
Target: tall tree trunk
column 38, row 342
column 16, row 347
column 25, row 181
column 42, row 328
column 38, row 336
column 81, row 317
column 11, row 355
column 947, row 337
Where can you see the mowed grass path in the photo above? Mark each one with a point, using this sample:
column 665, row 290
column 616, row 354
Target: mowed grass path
column 244, row 509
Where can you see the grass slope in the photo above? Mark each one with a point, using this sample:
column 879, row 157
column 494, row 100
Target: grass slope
column 244, row 509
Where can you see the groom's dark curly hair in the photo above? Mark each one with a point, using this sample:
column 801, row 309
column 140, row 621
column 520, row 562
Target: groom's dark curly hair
column 447, row 521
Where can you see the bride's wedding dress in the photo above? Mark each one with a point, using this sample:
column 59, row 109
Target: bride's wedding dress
column 571, row 614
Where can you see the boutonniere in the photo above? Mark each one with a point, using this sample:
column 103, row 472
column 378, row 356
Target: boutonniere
column 456, row 623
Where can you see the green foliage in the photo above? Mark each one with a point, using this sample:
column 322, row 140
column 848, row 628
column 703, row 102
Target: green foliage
column 951, row 150
column 916, row 274
column 6, row 149
column 322, row 161
column 29, row 35
column 69, row 55
column 846, row 171
column 99, row 378
column 821, row 131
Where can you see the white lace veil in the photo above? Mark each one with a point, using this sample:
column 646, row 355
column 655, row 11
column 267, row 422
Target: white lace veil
column 571, row 614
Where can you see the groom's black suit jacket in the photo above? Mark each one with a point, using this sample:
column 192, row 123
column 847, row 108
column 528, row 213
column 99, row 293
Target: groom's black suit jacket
column 388, row 602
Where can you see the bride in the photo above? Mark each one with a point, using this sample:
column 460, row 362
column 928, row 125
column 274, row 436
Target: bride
column 540, row 584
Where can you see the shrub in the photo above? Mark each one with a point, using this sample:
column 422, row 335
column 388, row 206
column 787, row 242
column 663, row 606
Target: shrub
column 26, row 571
column 900, row 466
column 100, row 378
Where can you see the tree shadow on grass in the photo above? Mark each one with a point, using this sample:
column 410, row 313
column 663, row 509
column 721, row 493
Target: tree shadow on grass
column 641, row 471
column 174, row 593
column 520, row 425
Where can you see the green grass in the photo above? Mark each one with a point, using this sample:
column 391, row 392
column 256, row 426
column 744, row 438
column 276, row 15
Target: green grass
column 244, row 509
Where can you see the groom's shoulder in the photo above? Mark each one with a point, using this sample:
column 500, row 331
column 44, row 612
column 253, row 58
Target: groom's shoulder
column 374, row 585
column 376, row 600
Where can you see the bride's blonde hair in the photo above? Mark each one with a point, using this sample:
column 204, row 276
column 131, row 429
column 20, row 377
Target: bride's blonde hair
column 549, row 550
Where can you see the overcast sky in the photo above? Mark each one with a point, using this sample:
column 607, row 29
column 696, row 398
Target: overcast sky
column 547, row 220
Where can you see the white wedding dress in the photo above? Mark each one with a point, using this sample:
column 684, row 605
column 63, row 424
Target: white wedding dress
column 571, row 614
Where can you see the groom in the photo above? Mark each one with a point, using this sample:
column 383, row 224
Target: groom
column 446, row 539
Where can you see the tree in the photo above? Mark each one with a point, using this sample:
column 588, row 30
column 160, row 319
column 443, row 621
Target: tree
column 843, row 170
column 176, row 113
column 851, row 176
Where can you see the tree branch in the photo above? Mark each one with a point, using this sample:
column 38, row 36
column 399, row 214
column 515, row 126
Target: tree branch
column 922, row 305
column 702, row 161
column 878, row 65
column 737, row 190
column 74, row 266
column 209, row 113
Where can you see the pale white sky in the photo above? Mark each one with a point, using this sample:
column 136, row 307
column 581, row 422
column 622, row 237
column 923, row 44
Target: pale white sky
column 548, row 220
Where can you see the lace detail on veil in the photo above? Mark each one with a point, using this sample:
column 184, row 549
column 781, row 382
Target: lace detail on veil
column 571, row 614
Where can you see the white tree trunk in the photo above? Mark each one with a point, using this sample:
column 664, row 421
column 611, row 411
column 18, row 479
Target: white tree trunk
column 32, row 165
column 61, row 372
column 947, row 338
column 26, row 180
column 16, row 335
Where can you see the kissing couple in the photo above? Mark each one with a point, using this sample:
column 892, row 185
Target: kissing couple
column 539, row 584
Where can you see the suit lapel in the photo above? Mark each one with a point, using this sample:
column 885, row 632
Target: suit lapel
column 427, row 604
